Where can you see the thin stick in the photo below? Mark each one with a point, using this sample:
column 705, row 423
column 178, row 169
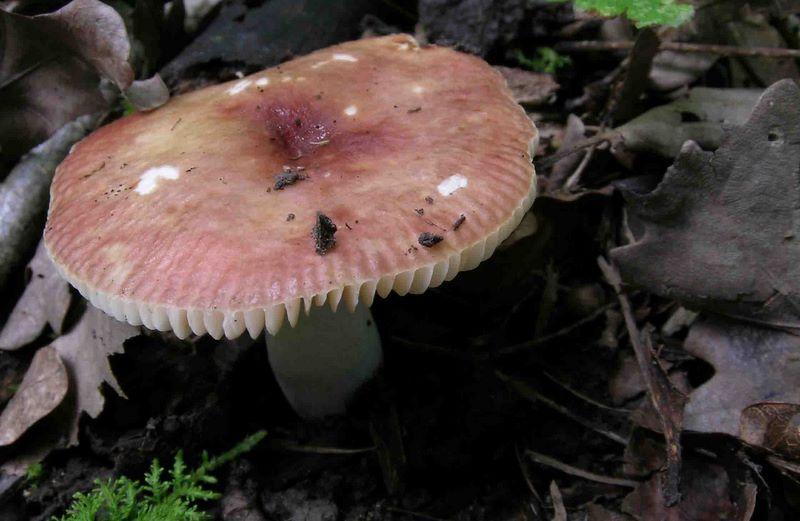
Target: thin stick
column 414, row 514
column 573, row 180
column 530, row 394
column 292, row 446
column 722, row 50
column 559, row 510
column 543, row 459
column 665, row 399
column 583, row 397
column 528, row 344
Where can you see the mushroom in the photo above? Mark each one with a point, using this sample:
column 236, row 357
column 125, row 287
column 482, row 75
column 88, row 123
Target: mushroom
column 399, row 166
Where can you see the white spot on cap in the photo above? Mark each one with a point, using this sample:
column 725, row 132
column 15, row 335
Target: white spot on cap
column 286, row 78
column 148, row 181
column 301, row 78
column 262, row 82
column 403, row 47
column 452, row 184
column 418, row 89
column 342, row 57
column 352, row 110
column 239, row 87
column 319, row 64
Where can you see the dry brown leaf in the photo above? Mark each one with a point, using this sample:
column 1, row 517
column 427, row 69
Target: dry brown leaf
column 752, row 365
column 50, row 69
column 85, row 351
column 721, row 229
column 705, row 496
column 595, row 512
column 45, row 301
column 774, row 426
column 42, row 389
column 529, row 88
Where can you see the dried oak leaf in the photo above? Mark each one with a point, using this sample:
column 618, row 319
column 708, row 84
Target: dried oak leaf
column 529, row 88
column 752, row 365
column 45, row 301
column 774, row 426
column 50, row 69
column 720, row 230
column 705, row 496
column 85, row 351
column 42, row 389
column 702, row 116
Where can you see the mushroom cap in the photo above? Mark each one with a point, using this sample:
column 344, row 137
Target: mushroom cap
column 172, row 218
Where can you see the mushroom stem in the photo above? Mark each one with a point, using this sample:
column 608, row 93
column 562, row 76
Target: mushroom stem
column 322, row 361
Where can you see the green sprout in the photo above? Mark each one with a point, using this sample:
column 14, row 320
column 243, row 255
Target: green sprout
column 34, row 474
column 546, row 60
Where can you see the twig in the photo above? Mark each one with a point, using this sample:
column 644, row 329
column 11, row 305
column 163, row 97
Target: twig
column 573, row 180
column 559, row 510
column 543, row 459
column 583, row 397
column 528, row 344
column 597, row 139
column 292, row 446
column 528, row 481
column 531, row 395
column 722, row 50
column 414, row 514
column 666, row 400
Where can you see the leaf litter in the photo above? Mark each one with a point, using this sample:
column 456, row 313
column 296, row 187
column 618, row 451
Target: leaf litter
column 718, row 237
column 45, row 302
column 52, row 66
column 72, row 370
column 713, row 486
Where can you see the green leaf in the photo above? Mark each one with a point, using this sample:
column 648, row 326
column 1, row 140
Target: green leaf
column 641, row 12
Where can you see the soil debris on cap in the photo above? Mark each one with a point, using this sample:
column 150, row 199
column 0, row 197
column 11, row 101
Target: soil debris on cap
column 420, row 211
column 428, row 239
column 288, row 176
column 323, row 233
column 429, row 200
column 457, row 224
column 290, row 217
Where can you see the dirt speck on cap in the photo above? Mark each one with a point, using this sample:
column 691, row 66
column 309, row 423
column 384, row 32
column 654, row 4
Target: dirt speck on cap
column 323, row 233
column 290, row 217
column 429, row 240
column 429, row 200
column 457, row 224
column 288, row 177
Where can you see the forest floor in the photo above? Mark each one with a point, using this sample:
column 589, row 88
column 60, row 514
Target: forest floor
column 536, row 386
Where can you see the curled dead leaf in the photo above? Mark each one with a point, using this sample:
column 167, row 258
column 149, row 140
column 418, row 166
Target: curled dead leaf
column 774, row 426
column 42, row 389
column 45, row 301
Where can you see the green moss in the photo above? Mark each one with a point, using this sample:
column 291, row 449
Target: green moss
column 34, row 474
column 546, row 60
column 158, row 498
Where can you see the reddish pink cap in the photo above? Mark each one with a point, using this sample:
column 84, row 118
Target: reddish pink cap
column 216, row 212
